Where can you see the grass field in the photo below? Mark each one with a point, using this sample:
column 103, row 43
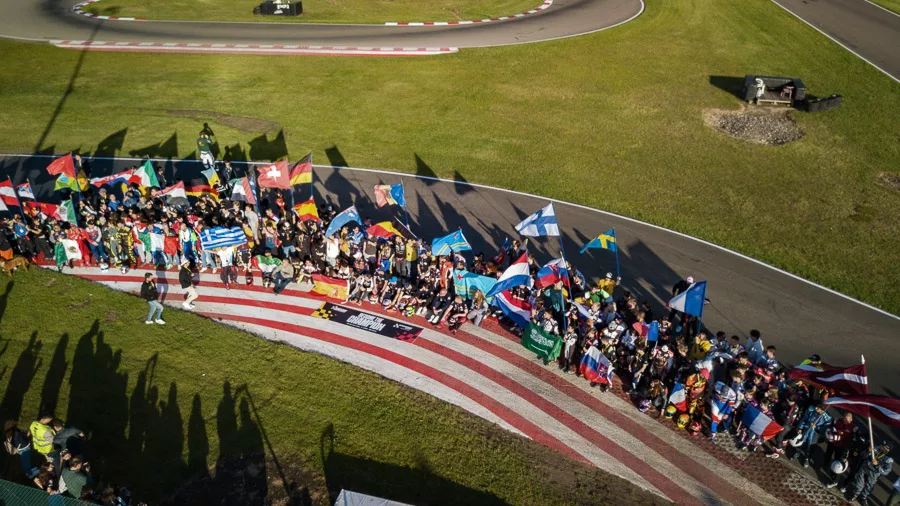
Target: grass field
column 612, row 120
column 211, row 410
column 319, row 11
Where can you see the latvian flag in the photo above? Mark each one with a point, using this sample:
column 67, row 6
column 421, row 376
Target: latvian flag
column 175, row 195
column 850, row 380
column 879, row 407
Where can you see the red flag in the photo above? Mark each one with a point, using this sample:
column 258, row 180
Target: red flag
column 879, row 407
column 41, row 207
column 8, row 194
column 275, row 175
column 851, row 380
column 62, row 165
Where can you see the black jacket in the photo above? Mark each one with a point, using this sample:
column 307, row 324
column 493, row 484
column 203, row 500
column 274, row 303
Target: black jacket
column 184, row 276
column 149, row 291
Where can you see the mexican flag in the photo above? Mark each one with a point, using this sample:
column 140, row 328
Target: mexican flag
column 66, row 212
column 546, row 346
column 146, row 176
column 66, row 250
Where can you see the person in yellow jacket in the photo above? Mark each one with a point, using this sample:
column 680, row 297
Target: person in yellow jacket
column 42, row 435
column 700, row 347
column 608, row 285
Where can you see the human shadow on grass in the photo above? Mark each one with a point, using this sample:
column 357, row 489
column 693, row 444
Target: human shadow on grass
column 23, row 373
column 414, row 485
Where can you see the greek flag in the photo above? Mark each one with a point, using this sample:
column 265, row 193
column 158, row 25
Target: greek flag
column 221, row 237
column 540, row 223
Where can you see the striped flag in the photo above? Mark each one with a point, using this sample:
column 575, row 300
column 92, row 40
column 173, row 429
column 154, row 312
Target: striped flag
column 851, row 380
column 198, row 189
column 678, row 397
column 146, row 175
column 595, row 367
column 301, row 173
column 8, row 194
column 879, row 407
column 455, row 242
column 307, row 211
column 760, row 424
column 241, row 191
column 24, row 191
column 125, row 176
column 331, row 287
column 175, row 195
column 517, row 310
column 221, row 237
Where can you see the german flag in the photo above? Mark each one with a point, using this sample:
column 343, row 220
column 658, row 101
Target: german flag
column 301, row 173
column 384, row 230
column 307, row 210
column 331, row 287
column 198, row 188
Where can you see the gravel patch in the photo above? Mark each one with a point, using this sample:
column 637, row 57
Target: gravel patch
column 890, row 180
column 773, row 127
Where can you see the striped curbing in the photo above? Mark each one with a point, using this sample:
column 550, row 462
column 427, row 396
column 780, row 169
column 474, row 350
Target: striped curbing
column 544, row 6
column 249, row 49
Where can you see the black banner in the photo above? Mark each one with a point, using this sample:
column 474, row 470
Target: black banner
column 376, row 324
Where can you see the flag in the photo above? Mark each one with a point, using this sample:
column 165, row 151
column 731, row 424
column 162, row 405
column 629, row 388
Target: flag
column 653, row 332
column 517, row 274
column 198, row 189
column 606, row 240
column 691, row 300
column 64, row 182
column 212, row 176
column 517, row 310
column 157, row 239
column 331, row 287
column 62, row 165
column 242, row 191
column 3, row 206
column 349, row 215
column 540, row 223
column 595, row 367
column 175, row 194
column 467, row 283
column 221, row 237
column 546, row 346
column 8, row 194
column 41, row 207
column 583, row 313
column 384, row 230
column 301, row 173
column 146, row 176
column 554, row 271
column 760, row 424
column 267, row 264
column 678, row 397
column 274, row 175
column 389, row 194
column 307, row 210
column 501, row 255
column 65, row 211
column 65, row 250
column 848, row 380
column 455, row 242
column 721, row 404
column 880, row 407
column 24, row 191
column 120, row 177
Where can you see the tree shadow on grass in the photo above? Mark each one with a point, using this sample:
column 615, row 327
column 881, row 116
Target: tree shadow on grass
column 414, row 485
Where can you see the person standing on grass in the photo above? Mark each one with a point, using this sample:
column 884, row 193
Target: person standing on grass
column 186, row 278
column 204, row 147
column 150, row 293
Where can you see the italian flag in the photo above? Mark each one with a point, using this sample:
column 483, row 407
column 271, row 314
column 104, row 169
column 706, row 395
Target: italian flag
column 146, row 176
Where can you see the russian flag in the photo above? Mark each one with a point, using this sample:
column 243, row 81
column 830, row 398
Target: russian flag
column 595, row 367
column 583, row 313
column 760, row 424
column 551, row 273
column 517, row 274
column 517, row 310
column 678, row 397
column 691, row 300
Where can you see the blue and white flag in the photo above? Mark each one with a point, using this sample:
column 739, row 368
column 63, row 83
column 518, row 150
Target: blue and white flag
column 517, row 274
column 517, row 310
column 691, row 300
column 452, row 243
column 344, row 217
column 221, row 237
column 467, row 283
column 540, row 223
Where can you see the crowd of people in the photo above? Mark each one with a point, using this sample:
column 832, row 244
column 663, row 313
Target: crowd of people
column 719, row 375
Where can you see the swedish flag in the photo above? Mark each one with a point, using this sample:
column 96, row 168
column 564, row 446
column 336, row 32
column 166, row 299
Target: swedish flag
column 606, row 240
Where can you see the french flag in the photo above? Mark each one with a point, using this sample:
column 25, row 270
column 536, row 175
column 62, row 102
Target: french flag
column 760, row 424
column 517, row 274
column 517, row 310
column 551, row 273
column 595, row 367
column 678, row 397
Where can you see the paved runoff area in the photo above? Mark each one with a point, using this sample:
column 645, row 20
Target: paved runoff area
column 488, row 373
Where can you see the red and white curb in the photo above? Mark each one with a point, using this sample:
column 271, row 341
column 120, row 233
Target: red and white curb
column 79, row 9
column 542, row 7
column 486, row 374
column 254, row 49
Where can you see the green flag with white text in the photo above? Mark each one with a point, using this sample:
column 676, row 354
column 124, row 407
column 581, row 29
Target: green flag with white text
column 546, row 346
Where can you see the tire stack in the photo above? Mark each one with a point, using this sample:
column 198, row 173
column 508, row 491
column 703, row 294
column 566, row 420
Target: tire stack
column 824, row 103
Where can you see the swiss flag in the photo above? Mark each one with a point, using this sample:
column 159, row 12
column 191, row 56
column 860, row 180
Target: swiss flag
column 62, row 165
column 274, row 175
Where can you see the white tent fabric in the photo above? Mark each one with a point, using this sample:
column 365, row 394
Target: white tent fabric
column 348, row 498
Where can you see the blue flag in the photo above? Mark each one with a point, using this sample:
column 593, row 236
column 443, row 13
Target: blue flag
column 606, row 240
column 467, row 283
column 540, row 223
column 454, row 242
column 653, row 332
column 691, row 300
column 346, row 216
column 221, row 237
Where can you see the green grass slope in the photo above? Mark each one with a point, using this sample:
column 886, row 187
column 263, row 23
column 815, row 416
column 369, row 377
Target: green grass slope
column 611, row 120
column 193, row 411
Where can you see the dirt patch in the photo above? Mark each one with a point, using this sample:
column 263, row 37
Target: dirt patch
column 242, row 123
column 890, row 180
column 51, row 282
column 80, row 305
column 762, row 125
column 111, row 316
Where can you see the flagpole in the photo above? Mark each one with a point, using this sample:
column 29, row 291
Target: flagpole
column 405, row 210
column 18, row 200
column 871, row 436
column 618, row 272
column 312, row 174
column 562, row 250
column 255, row 189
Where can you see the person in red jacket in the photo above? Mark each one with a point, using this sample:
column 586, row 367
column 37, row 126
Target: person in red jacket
column 840, row 436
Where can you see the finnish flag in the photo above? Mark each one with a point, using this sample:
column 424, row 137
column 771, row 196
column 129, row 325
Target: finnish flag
column 540, row 223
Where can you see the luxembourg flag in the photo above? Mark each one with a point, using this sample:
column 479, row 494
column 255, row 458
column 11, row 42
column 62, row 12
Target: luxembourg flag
column 549, row 274
column 517, row 274
column 678, row 397
column 540, row 223
column 760, row 424
column 517, row 310
column 595, row 367
column 691, row 300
